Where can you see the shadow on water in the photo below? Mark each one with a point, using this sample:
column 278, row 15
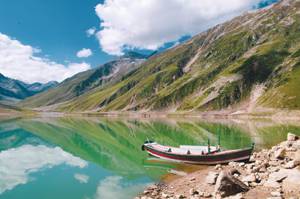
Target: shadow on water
column 113, row 146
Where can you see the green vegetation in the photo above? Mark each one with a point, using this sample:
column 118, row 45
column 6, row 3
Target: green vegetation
column 214, row 70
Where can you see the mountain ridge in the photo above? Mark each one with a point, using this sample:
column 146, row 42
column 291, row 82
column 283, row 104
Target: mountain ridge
column 88, row 80
column 12, row 90
column 241, row 64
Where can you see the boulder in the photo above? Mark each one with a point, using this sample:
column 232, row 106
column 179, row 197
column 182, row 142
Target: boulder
column 292, row 182
column 278, row 176
column 272, row 184
column 211, row 178
column 292, row 137
column 279, row 153
column 228, row 185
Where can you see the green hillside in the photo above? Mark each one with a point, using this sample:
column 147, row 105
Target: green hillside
column 246, row 62
column 86, row 81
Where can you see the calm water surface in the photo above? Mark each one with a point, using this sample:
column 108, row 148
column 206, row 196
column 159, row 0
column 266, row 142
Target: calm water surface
column 100, row 158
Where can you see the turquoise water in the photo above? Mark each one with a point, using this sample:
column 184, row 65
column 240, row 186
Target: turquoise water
column 97, row 158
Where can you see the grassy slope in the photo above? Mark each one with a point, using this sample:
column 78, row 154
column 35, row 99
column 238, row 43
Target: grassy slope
column 62, row 92
column 261, row 47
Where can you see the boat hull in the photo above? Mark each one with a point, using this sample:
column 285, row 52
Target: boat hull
column 211, row 159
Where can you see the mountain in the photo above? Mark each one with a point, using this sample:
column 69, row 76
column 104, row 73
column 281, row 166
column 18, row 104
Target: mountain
column 12, row 90
column 83, row 82
column 250, row 62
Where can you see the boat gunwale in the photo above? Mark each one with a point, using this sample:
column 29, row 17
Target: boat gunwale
column 204, row 155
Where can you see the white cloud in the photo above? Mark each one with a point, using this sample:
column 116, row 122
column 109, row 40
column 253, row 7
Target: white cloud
column 115, row 187
column 17, row 164
column 81, row 178
column 91, row 31
column 85, row 52
column 19, row 61
column 148, row 24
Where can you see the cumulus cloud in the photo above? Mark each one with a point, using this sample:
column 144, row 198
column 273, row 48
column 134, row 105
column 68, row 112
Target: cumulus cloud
column 20, row 61
column 85, row 52
column 81, row 178
column 116, row 187
column 148, row 24
column 16, row 164
column 91, row 31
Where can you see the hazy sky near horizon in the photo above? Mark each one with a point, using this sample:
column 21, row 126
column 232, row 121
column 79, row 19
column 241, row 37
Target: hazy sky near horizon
column 41, row 41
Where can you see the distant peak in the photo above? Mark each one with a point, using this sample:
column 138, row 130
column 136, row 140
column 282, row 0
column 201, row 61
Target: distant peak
column 134, row 55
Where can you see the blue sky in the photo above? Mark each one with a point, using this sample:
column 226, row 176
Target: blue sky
column 55, row 26
column 39, row 40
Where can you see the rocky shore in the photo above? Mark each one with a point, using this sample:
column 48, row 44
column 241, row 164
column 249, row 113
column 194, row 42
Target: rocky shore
column 273, row 174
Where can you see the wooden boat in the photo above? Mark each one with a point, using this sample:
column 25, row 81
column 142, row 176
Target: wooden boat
column 197, row 154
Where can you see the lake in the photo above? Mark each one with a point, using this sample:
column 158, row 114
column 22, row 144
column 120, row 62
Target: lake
column 101, row 158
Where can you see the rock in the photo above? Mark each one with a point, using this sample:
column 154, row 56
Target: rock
column 193, row 192
column 218, row 167
column 233, row 164
column 292, row 182
column 280, row 153
column 262, row 170
column 296, row 145
column 236, row 175
column 242, row 164
column 165, row 195
column 278, row 176
column 249, row 178
column 206, row 195
column 272, row 184
column 276, row 194
column 296, row 158
column 273, row 169
column 292, row 137
column 152, row 187
column 180, row 196
column 253, row 184
column 200, row 193
column 290, row 165
column 228, row 185
column 154, row 193
column 250, row 166
column 211, row 178
column 234, row 171
column 237, row 196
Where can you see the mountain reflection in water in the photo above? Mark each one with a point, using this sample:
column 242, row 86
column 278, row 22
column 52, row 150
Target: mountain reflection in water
column 101, row 157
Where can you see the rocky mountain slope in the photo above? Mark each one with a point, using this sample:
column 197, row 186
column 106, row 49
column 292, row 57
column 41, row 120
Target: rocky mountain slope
column 249, row 62
column 14, row 90
column 85, row 81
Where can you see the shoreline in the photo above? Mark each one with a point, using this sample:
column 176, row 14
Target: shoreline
column 273, row 114
column 273, row 173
